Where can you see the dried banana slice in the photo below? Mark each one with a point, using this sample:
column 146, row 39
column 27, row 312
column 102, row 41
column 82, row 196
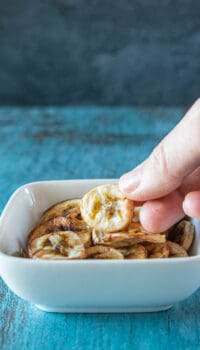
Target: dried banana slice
column 106, row 209
column 136, row 214
column 60, row 223
column 61, row 243
column 63, row 208
column 116, row 239
column 102, row 252
column 183, row 234
column 48, row 255
column 175, row 250
column 85, row 237
column 135, row 227
column 80, row 227
column 76, row 224
column 125, row 238
column 138, row 251
column 158, row 250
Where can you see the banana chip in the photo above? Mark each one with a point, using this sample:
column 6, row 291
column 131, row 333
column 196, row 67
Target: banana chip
column 136, row 227
column 160, row 250
column 102, row 252
column 60, row 223
column 183, row 234
column 125, row 238
column 66, row 244
column 150, row 237
column 85, row 237
column 105, row 208
column 115, row 239
column 175, row 250
column 61, row 209
column 77, row 224
column 137, row 251
column 49, row 255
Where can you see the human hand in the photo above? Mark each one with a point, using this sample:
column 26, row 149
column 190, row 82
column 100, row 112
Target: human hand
column 168, row 181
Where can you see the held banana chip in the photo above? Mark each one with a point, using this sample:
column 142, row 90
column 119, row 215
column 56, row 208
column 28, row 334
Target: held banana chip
column 105, row 208
column 103, row 225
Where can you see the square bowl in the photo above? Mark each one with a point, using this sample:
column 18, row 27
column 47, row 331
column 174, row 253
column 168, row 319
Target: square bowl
column 87, row 285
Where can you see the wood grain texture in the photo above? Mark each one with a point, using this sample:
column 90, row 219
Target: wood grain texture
column 40, row 144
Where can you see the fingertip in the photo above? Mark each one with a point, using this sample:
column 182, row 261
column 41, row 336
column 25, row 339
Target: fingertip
column 160, row 214
column 191, row 204
column 150, row 218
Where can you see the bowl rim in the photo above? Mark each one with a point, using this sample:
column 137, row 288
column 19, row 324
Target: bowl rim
column 157, row 261
column 101, row 261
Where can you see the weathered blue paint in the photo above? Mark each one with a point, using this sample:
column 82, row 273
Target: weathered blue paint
column 39, row 144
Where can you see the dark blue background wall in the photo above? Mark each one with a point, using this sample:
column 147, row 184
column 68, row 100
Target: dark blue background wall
column 144, row 52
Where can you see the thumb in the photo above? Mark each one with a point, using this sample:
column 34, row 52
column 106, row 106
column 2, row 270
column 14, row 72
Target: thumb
column 176, row 156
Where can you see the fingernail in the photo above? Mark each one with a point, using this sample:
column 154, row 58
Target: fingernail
column 130, row 181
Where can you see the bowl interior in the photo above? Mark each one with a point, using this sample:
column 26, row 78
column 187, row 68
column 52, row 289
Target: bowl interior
column 27, row 204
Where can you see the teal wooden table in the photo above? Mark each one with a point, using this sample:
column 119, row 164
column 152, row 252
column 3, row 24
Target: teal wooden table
column 63, row 143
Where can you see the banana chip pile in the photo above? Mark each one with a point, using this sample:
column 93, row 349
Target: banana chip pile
column 103, row 225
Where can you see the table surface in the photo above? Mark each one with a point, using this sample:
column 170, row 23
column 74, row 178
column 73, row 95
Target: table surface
column 64, row 143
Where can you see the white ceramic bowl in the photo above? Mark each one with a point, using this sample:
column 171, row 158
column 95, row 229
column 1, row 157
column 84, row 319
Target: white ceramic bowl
column 86, row 285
